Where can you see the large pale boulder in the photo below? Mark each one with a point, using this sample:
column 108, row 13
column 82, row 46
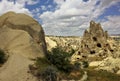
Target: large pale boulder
column 110, row 64
column 22, row 38
column 25, row 23
column 50, row 43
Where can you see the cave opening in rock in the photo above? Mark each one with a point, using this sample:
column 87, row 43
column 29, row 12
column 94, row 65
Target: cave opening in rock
column 78, row 58
column 99, row 45
column 84, row 56
column 79, row 53
column 92, row 52
column 94, row 38
column 112, row 50
column 3, row 57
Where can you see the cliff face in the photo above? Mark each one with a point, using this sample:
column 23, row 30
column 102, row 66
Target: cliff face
column 95, row 44
column 93, row 38
column 24, row 23
column 22, row 38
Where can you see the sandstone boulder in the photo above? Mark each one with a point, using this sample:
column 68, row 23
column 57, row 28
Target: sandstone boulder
column 50, row 43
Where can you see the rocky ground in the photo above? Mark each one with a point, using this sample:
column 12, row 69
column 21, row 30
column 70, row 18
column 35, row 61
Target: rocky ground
column 64, row 42
column 99, row 68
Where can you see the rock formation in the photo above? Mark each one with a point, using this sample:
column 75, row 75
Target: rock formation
column 93, row 38
column 50, row 43
column 67, row 43
column 95, row 44
column 22, row 38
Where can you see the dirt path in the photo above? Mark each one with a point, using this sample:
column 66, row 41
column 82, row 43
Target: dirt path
column 16, row 69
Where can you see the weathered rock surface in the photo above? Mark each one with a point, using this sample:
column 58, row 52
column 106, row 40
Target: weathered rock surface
column 100, row 50
column 93, row 38
column 67, row 43
column 96, row 44
column 109, row 64
column 22, row 38
column 50, row 43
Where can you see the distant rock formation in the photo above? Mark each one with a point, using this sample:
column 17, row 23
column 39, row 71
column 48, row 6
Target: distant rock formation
column 93, row 38
column 22, row 38
column 66, row 43
column 95, row 44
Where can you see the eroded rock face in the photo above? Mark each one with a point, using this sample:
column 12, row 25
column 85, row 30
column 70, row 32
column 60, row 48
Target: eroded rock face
column 11, row 23
column 95, row 44
column 50, row 43
column 22, row 38
column 66, row 43
column 94, row 37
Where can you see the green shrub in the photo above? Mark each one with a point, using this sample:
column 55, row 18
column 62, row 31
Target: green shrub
column 77, row 65
column 72, row 51
column 60, row 59
column 2, row 57
column 42, row 63
column 85, row 64
column 49, row 74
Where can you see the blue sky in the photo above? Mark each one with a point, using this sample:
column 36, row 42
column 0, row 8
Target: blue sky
column 68, row 17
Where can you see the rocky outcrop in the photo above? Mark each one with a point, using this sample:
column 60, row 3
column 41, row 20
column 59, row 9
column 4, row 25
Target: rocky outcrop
column 25, row 23
column 109, row 64
column 100, row 50
column 95, row 44
column 22, row 38
column 93, row 38
column 50, row 43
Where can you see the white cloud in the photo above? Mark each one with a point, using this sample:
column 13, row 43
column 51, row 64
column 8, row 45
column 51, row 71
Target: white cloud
column 71, row 16
column 43, row 7
column 6, row 6
column 36, row 13
column 36, row 10
column 112, row 24
column 59, row 1
column 49, row 6
column 29, row 2
column 108, row 3
column 32, row 2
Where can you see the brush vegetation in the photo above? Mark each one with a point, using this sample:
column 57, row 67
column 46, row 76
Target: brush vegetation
column 2, row 57
column 56, row 65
